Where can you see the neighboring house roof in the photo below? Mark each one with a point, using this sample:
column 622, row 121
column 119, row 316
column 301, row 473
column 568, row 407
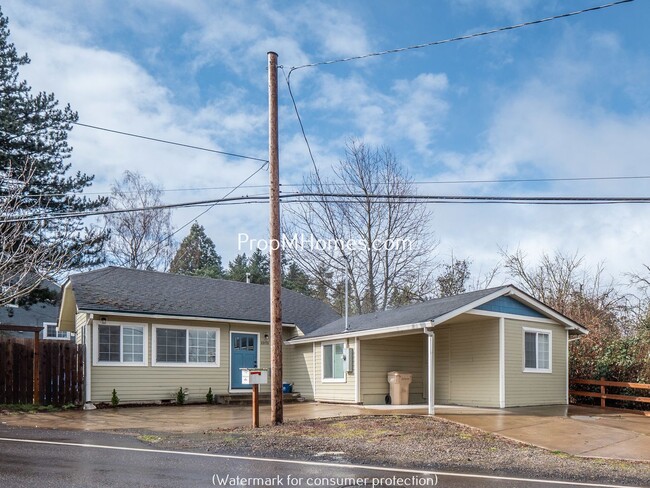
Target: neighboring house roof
column 125, row 290
column 35, row 314
column 432, row 312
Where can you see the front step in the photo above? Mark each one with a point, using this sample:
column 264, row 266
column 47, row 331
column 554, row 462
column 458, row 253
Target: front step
column 247, row 398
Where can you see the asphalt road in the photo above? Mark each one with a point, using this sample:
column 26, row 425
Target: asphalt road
column 48, row 458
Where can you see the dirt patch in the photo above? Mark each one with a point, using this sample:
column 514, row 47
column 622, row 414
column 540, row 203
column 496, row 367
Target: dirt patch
column 409, row 442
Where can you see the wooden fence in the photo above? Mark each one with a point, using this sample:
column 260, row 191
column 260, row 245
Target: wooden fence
column 60, row 377
column 604, row 396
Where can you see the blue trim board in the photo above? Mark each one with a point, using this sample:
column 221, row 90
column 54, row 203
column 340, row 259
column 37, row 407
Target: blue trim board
column 511, row 306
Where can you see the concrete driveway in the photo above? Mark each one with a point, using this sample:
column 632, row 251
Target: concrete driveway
column 581, row 431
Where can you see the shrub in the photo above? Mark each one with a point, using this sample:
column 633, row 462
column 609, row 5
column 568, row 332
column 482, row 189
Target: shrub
column 115, row 400
column 180, row 396
column 209, row 397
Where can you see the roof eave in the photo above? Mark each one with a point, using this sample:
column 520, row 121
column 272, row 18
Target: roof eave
column 122, row 313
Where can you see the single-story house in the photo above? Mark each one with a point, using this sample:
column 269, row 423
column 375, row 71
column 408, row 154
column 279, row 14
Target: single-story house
column 148, row 333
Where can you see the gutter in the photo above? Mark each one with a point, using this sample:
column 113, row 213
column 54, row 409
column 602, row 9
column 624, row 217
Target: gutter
column 362, row 333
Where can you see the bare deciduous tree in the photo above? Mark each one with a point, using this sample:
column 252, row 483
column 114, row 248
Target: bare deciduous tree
column 391, row 259
column 32, row 249
column 138, row 239
column 562, row 281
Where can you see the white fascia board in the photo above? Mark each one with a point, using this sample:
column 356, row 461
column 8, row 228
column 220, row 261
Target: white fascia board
column 361, row 333
column 180, row 317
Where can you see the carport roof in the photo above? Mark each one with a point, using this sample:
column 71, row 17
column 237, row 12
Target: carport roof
column 438, row 309
column 125, row 290
column 408, row 314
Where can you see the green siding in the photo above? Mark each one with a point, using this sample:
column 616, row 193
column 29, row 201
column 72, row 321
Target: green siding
column 527, row 389
column 340, row 392
column 400, row 353
column 467, row 364
column 154, row 383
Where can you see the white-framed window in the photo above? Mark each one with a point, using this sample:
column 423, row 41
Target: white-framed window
column 537, row 350
column 175, row 345
column 333, row 360
column 50, row 332
column 119, row 344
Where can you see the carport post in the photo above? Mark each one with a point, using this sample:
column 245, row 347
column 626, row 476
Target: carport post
column 431, row 359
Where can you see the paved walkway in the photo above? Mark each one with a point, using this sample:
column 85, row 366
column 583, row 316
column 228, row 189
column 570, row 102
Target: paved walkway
column 580, row 431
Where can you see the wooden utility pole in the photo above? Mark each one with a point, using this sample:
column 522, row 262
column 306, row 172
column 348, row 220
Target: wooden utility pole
column 274, row 224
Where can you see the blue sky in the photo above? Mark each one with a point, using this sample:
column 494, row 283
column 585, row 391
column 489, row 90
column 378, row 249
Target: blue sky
column 568, row 98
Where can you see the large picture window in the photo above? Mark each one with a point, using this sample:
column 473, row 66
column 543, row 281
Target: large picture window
column 333, row 362
column 118, row 344
column 183, row 346
column 537, row 351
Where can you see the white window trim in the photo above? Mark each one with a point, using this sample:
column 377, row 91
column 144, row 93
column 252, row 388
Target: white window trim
column 322, row 364
column 66, row 337
column 186, row 364
column 550, row 350
column 145, row 344
column 230, row 387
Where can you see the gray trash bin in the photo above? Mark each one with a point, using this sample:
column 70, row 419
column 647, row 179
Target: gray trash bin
column 399, row 387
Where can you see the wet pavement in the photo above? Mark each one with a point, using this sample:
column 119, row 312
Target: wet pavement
column 575, row 430
column 64, row 459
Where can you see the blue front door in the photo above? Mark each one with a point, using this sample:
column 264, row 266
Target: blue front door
column 243, row 354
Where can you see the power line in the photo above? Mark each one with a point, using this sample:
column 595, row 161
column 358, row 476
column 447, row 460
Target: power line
column 287, row 76
column 210, row 207
column 349, row 198
column 462, row 38
column 173, row 143
column 302, row 127
column 416, row 183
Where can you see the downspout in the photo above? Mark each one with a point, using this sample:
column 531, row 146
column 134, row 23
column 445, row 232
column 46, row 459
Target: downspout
column 88, row 405
column 431, row 370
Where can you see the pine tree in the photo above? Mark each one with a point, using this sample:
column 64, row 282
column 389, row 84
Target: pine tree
column 33, row 153
column 259, row 268
column 238, row 268
column 197, row 255
column 296, row 279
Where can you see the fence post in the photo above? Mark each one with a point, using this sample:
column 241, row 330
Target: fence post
column 37, row 366
column 602, row 393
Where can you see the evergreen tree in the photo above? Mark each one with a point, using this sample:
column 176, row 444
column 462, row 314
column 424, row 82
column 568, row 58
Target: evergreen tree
column 197, row 255
column 237, row 268
column 296, row 279
column 33, row 153
column 259, row 268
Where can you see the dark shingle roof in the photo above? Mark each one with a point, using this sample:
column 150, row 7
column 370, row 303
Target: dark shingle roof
column 409, row 314
column 114, row 289
column 35, row 314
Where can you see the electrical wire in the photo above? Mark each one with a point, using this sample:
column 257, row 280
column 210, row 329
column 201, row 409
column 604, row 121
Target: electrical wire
column 173, row 143
column 302, row 127
column 415, row 183
column 462, row 38
column 322, row 197
column 214, row 204
column 287, row 76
